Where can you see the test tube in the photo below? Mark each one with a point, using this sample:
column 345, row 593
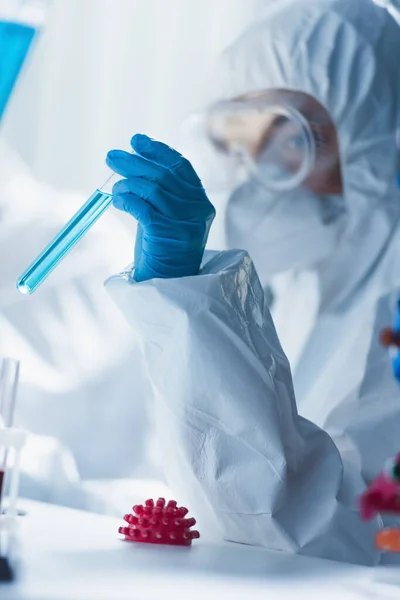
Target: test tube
column 9, row 375
column 67, row 238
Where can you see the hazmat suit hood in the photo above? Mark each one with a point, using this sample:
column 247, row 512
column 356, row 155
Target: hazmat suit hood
column 334, row 50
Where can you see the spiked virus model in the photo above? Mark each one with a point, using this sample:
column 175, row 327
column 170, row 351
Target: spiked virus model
column 159, row 523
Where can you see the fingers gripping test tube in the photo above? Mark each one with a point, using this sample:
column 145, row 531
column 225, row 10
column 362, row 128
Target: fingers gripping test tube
column 67, row 238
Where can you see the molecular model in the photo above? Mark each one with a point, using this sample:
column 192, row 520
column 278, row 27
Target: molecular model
column 383, row 495
column 390, row 337
column 159, row 523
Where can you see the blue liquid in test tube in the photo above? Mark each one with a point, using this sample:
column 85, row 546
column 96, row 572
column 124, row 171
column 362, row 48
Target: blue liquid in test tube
column 15, row 41
column 66, row 239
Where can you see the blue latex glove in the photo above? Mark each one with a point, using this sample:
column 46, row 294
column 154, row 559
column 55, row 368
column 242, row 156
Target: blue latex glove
column 163, row 192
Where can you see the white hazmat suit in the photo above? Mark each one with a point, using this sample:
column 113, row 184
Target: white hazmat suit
column 252, row 464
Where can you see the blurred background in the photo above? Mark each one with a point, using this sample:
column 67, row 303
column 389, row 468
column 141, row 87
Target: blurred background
column 103, row 70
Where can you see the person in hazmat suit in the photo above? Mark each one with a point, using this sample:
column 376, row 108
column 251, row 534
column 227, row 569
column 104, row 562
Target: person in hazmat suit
column 302, row 134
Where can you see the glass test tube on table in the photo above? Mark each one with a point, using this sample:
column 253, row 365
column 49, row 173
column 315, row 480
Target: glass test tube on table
column 67, row 238
column 11, row 443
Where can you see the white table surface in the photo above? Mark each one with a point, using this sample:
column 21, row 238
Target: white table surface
column 69, row 554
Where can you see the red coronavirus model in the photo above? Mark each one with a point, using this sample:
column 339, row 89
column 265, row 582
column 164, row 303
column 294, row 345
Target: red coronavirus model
column 159, row 523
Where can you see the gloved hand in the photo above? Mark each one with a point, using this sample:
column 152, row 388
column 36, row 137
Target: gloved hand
column 163, row 192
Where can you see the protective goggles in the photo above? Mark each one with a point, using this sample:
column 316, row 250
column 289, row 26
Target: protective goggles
column 273, row 140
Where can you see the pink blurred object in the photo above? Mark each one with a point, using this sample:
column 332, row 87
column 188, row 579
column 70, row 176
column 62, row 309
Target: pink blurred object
column 383, row 495
column 158, row 523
